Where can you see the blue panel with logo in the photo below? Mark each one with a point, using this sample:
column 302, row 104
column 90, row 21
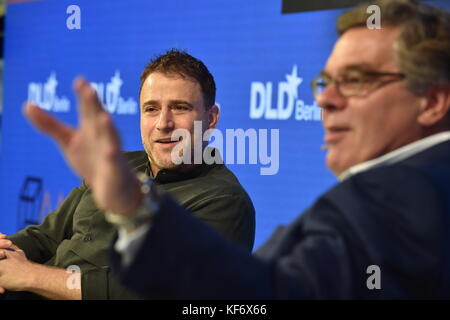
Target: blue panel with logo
column 262, row 60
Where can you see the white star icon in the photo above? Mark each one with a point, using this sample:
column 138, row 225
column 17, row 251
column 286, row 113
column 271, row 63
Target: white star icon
column 294, row 81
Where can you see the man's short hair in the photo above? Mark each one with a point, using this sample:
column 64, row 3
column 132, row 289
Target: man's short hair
column 422, row 51
column 181, row 63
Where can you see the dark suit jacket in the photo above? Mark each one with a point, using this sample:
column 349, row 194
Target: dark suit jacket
column 395, row 217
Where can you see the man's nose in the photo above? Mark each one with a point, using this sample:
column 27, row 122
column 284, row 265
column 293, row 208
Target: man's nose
column 165, row 121
column 331, row 99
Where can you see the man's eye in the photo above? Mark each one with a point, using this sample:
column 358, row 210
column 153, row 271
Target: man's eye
column 150, row 109
column 323, row 82
column 180, row 108
column 351, row 79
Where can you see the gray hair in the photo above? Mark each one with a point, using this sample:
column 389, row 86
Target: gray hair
column 423, row 48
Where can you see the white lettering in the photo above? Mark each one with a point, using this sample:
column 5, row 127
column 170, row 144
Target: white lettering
column 257, row 145
column 44, row 95
column 288, row 103
column 74, row 20
column 374, row 21
column 74, row 280
column 374, row 281
column 257, row 109
column 109, row 95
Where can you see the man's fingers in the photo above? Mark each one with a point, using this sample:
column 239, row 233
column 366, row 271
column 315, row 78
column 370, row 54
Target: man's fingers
column 48, row 124
column 2, row 254
column 8, row 244
column 5, row 243
column 3, row 236
column 109, row 135
column 89, row 104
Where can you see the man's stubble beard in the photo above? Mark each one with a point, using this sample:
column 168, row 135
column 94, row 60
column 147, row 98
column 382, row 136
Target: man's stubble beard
column 155, row 161
column 170, row 164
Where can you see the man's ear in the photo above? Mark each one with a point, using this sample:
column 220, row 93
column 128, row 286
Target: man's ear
column 213, row 116
column 436, row 106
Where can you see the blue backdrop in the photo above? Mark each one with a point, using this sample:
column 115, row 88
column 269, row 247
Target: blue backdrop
column 262, row 60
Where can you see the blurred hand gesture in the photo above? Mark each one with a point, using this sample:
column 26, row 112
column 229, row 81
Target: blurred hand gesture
column 93, row 150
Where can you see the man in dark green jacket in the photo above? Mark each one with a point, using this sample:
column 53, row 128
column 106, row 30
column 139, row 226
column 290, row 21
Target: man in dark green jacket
column 66, row 257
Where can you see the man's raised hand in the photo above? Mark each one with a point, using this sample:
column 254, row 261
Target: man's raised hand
column 93, row 150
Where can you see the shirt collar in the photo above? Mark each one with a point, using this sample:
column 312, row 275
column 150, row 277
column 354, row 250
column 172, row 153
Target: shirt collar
column 173, row 175
column 398, row 154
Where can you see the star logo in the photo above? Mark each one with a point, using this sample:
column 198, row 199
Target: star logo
column 294, row 81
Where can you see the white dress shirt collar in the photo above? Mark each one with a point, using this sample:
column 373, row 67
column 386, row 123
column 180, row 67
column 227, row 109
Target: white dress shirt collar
column 398, row 154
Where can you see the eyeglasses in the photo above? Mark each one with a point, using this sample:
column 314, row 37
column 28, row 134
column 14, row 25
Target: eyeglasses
column 354, row 82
